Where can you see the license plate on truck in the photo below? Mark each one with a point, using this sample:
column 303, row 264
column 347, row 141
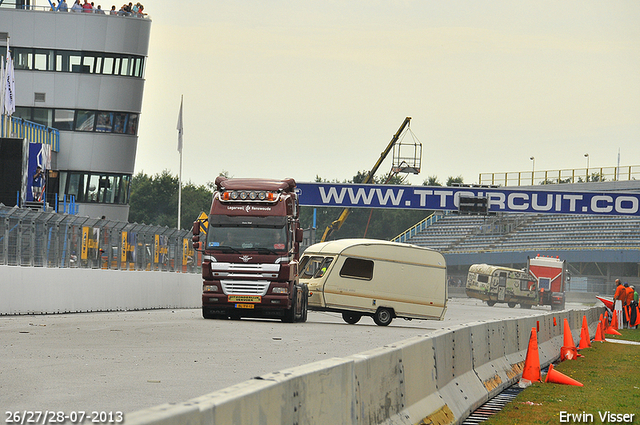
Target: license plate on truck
column 244, row 305
column 245, row 298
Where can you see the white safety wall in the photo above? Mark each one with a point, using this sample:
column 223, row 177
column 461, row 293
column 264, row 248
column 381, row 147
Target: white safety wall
column 42, row 290
column 437, row 378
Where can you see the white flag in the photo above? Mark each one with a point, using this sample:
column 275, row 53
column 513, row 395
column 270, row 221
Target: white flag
column 10, row 88
column 180, row 129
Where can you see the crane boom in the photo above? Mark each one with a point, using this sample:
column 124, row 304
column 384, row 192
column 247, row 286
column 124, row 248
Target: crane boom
column 337, row 224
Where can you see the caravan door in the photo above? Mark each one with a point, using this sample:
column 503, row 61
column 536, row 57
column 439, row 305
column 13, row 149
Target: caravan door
column 502, row 285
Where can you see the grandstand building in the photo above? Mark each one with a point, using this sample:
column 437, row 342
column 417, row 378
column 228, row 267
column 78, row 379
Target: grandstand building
column 83, row 74
column 599, row 249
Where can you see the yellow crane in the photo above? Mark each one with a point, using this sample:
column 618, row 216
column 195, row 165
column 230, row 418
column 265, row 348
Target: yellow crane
column 337, row 224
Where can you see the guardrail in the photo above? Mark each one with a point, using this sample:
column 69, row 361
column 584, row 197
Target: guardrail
column 437, row 378
column 574, row 175
column 47, row 8
column 417, row 228
column 57, row 240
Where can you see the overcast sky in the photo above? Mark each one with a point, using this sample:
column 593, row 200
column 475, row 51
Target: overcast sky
column 303, row 88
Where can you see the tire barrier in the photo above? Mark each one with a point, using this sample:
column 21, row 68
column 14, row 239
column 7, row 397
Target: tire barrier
column 438, row 378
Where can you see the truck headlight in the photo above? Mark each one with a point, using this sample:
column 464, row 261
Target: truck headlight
column 210, row 288
column 280, row 290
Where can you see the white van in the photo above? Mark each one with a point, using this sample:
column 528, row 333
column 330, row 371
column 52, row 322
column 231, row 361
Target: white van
column 366, row 277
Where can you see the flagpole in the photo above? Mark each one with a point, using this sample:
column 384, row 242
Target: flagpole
column 5, row 71
column 180, row 191
column 180, row 131
column 2, row 133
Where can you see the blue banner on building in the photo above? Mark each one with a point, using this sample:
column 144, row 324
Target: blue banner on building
column 38, row 164
column 447, row 198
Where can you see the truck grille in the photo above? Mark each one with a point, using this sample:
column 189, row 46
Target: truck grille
column 245, row 287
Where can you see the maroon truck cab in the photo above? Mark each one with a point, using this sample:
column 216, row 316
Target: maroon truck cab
column 251, row 251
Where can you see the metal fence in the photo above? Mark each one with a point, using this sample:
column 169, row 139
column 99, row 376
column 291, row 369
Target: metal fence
column 49, row 239
column 576, row 175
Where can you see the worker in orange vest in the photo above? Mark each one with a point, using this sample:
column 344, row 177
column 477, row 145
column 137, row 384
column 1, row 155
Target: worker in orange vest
column 627, row 302
column 620, row 294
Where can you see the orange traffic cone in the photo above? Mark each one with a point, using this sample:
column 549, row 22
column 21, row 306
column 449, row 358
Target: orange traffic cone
column 568, row 350
column 554, row 322
column 599, row 334
column 613, row 327
column 585, row 340
column 531, row 372
column 555, row 377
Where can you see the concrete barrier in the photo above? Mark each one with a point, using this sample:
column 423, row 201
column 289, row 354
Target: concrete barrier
column 41, row 290
column 438, row 378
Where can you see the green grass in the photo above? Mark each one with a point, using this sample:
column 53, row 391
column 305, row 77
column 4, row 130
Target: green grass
column 610, row 373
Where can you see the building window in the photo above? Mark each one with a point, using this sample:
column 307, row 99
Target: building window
column 63, row 119
column 22, row 58
column 43, row 116
column 132, row 124
column 78, row 62
column 119, row 122
column 86, row 121
column 44, row 60
column 92, row 187
column 105, row 122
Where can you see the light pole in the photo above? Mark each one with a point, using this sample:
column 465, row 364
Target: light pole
column 586, row 155
column 533, row 170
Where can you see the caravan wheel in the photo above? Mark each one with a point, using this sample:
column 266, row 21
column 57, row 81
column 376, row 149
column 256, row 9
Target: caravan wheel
column 383, row 316
column 350, row 317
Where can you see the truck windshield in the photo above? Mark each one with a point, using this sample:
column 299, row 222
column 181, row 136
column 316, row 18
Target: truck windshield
column 228, row 233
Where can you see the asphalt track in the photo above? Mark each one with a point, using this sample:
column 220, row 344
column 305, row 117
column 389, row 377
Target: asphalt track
column 127, row 361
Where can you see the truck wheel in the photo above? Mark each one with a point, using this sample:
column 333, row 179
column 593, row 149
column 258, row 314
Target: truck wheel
column 290, row 314
column 511, row 304
column 491, row 303
column 351, row 317
column 383, row 316
column 305, row 304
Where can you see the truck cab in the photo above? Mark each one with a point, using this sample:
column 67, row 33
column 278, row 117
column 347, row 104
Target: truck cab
column 251, row 251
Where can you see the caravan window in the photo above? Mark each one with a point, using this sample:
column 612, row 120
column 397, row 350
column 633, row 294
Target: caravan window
column 314, row 266
column 483, row 278
column 357, row 268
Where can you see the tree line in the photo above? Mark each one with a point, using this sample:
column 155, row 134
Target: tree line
column 154, row 200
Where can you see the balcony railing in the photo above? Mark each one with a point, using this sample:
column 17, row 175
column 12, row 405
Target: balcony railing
column 34, row 133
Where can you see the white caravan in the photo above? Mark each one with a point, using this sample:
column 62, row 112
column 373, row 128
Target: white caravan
column 366, row 277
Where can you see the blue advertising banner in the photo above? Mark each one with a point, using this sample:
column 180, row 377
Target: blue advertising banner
column 38, row 164
column 447, row 198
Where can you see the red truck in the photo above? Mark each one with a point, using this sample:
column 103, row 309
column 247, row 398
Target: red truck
column 552, row 275
column 251, row 251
